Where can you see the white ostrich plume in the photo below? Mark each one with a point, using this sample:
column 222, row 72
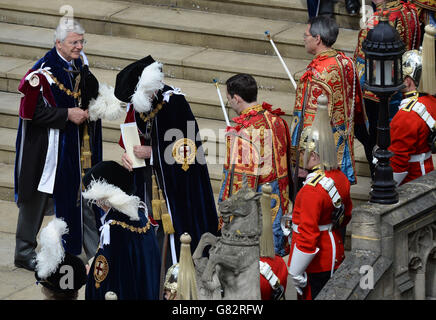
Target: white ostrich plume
column 52, row 251
column 106, row 106
column 150, row 82
column 101, row 192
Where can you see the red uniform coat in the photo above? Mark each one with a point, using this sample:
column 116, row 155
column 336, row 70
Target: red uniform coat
column 278, row 266
column 313, row 207
column 409, row 134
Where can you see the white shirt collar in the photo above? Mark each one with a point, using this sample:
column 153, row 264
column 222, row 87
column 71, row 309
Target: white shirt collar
column 69, row 62
column 103, row 218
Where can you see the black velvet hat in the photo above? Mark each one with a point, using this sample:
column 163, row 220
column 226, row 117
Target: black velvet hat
column 88, row 86
column 55, row 282
column 128, row 78
column 113, row 173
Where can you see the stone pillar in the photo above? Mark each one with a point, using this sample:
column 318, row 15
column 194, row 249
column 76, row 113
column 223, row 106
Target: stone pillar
column 420, row 285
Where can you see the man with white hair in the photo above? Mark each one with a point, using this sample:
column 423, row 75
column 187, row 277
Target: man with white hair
column 55, row 145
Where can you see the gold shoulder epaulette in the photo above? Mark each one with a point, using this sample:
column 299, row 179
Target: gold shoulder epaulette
column 319, row 174
column 410, row 105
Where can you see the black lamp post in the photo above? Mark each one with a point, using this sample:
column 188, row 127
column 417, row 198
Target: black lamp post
column 383, row 50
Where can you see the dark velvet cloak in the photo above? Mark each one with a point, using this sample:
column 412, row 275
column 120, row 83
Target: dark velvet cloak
column 189, row 192
column 67, row 188
column 131, row 262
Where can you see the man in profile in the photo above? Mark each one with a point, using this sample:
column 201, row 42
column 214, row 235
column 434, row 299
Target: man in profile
column 330, row 73
column 55, row 144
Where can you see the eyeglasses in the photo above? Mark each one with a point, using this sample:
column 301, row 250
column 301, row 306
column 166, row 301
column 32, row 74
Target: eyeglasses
column 76, row 43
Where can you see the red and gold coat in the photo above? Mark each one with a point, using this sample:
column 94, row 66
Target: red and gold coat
column 259, row 147
column 409, row 134
column 426, row 8
column 404, row 17
column 426, row 4
column 331, row 73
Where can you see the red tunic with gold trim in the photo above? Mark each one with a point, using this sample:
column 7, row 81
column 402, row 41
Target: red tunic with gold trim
column 404, row 17
column 409, row 134
column 331, row 73
column 259, row 147
column 313, row 208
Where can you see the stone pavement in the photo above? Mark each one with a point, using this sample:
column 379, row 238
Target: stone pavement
column 20, row 284
column 16, row 283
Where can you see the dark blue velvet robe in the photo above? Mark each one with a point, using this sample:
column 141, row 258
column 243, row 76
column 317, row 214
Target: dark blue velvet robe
column 133, row 262
column 67, row 189
column 189, row 193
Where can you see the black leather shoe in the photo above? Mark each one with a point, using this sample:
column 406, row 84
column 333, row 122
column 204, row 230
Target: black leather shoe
column 352, row 6
column 28, row 265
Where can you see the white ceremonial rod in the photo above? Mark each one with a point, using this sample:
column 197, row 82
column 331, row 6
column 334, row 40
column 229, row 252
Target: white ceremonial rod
column 222, row 102
column 281, row 59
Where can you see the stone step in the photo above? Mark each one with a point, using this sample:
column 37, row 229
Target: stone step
column 173, row 25
column 181, row 62
column 111, row 151
column 202, row 96
column 7, row 174
column 214, row 146
column 292, row 10
column 359, row 192
column 7, row 182
column 212, row 131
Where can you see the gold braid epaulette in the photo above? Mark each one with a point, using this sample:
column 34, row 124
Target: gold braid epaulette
column 152, row 114
column 76, row 95
column 131, row 228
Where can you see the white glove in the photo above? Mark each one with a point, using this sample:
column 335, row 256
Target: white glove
column 300, row 282
column 297, row 269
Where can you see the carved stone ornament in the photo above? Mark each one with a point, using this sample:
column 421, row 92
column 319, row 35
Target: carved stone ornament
column 421, row 243
column 233, row 264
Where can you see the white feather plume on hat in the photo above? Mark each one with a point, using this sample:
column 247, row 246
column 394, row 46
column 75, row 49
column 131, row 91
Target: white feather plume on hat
column 112, row 196
column 150, row 82
column 52, row 251
column 106, row 106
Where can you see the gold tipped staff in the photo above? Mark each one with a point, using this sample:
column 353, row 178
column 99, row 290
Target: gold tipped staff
column 268, row 35
column 222, row 102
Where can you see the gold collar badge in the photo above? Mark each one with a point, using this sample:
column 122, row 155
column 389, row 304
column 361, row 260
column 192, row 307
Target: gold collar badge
column 101, row 270
column 184, row 152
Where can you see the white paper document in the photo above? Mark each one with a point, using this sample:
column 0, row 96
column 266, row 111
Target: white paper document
column 129, row 133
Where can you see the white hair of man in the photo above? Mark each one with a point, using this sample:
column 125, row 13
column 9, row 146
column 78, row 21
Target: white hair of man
column 66, row 26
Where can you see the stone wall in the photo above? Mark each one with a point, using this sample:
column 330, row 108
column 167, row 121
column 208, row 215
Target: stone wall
column 393, row 249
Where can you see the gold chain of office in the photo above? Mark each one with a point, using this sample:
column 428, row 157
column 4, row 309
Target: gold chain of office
column 76, row 95
column 152, row 114
column 131, row 228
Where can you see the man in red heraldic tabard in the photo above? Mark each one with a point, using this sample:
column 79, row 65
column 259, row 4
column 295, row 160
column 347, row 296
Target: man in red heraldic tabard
column 259, row 147
column 330, row 73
